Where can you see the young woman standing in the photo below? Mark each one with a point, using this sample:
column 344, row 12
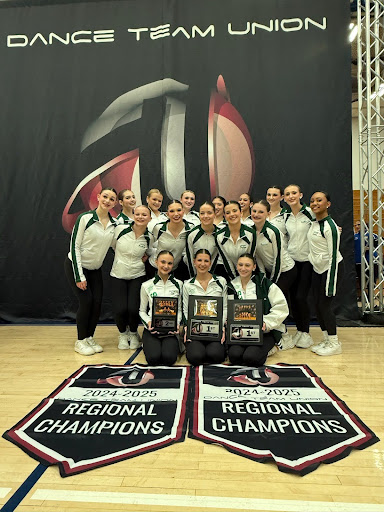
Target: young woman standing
column 127, row 200
column 130, row 243
column 171, row 236
column 275, row 310
column 274, row 196
column 234, row 239
column 204, row 283
column 154, row 202
column 202, row 236
column 298, row 220
column 325, row 257
column 188, row 201
column 162, row 349
column 91, row 238
column 246, row 203
column 272, row 257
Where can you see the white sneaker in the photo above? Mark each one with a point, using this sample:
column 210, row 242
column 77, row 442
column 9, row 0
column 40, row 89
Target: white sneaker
column 322, row 344
column 82, row 347
column 286, row 342
column 96, row 347
column 305, row 341
column 296, row 337
column 123, row 341
column 331, row 347
column 135, row 341
column 273, row 351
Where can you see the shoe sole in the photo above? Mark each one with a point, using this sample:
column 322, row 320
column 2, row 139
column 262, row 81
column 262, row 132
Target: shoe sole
column 123, row 348
column 336, row 353
column 83, row 354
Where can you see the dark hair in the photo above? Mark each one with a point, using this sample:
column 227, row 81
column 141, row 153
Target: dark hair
column 202, row 251
column 108, row 188
column 294, row 185
column 234, row 202
column 120, row 195
column 207, row 203
column 278, row 188
column 327, row 196
column 164, row 252
column 247, row 255
column 222, row 199
column 246, row 194
column 264, row 203
column 175, row 201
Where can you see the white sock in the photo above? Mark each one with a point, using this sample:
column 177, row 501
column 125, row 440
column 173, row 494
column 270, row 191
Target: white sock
column 334, row 339
column 325, row 335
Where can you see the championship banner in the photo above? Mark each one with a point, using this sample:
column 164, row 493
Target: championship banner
column 103, row 414
column 280, row 412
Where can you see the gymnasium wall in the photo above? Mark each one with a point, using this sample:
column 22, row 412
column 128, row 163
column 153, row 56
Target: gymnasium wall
column 221, row 97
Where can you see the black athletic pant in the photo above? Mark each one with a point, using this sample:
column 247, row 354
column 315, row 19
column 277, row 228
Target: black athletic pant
column 251, row 355
column 285, row 282
column 325, row 315
column 182, row 271
column 198, row 352
column 299, row 295
column 160, row 351
column 90, row 299
column 126, row 302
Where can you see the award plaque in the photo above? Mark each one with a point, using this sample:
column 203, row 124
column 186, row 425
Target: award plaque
column 205, row 318
column 164, row 314
column 245, row 322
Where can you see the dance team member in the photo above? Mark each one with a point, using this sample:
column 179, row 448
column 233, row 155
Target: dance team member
column 325, row 257
column 246, row 203
column 171, row 236
column 154, row 202
column 91, row 238
column 219, row 203
column 188, row 201
column 274, row 196
column 160, row 349
column 275, row 310
column 234, row 239
column 127, row 200
column 298, row 221
column 272, row 257
column 130, row 243
column 204, row 283
column 202, row 236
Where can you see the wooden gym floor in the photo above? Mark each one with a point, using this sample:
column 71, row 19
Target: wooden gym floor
column 188, row 476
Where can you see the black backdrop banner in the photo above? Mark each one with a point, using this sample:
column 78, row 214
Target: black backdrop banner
column 220, row 97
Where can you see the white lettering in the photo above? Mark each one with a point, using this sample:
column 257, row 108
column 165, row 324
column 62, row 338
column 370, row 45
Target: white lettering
column 239, row 32
column 40, row 428
column 104, row 36
column 53, row 36
column 79, row 33
column 183, row 31
column 196, row 30
column 263, row 27
column 284, row 23
column 22, row 37
column 322, row 26
column 138, row 30
column 38, row 36
column 160, row 31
